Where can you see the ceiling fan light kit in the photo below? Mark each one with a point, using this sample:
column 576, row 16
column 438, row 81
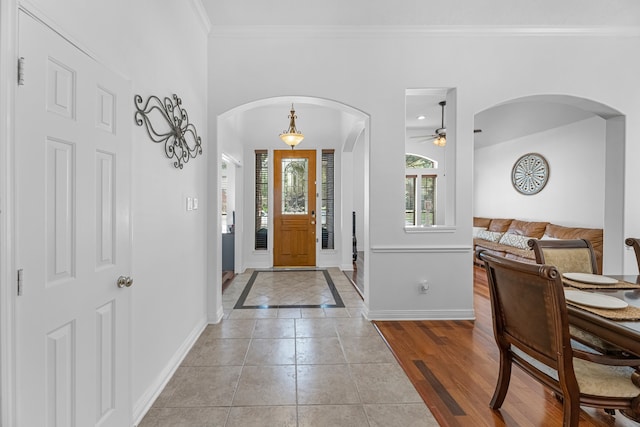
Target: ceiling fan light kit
column 441, row 133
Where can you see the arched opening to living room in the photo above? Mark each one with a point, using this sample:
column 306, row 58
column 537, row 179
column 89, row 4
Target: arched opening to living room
column 582, row 142
column 249, row 134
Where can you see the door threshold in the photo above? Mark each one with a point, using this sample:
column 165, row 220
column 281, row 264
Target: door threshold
column 293, row 268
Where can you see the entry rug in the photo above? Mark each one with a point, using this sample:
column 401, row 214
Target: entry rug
column 290, row 289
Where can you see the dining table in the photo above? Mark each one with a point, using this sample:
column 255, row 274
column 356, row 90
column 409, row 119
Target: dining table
column 624, row 334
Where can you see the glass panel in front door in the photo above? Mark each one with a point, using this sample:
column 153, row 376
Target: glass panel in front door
column 295, row 198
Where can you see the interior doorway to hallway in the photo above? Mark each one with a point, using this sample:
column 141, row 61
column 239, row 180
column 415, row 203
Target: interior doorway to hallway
column 246, row 133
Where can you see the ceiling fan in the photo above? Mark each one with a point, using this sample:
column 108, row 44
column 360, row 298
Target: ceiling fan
column 439, row 136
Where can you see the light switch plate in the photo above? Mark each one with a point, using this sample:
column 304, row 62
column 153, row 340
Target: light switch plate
column 195, row 203
column 189, row 204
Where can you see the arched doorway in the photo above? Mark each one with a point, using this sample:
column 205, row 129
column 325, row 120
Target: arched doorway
column 328, row 126
column 585, row 142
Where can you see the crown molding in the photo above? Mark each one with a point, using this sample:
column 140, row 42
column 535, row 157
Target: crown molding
column 367, row 31
column 201, row 12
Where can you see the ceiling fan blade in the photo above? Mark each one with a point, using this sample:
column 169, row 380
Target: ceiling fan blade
column 423, row 136
column 426, row 139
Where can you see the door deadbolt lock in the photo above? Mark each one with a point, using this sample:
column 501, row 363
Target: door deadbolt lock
column 124, row 282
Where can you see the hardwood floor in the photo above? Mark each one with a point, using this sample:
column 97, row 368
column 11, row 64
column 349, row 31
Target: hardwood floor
column 454, row 366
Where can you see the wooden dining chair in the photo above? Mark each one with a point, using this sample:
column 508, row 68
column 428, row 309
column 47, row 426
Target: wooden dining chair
column 568, row 255
column 573, row 256
column 635, row 243
column 531, row 329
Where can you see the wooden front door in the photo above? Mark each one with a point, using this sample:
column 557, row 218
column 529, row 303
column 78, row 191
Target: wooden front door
column 73, row 133
column 294, row 233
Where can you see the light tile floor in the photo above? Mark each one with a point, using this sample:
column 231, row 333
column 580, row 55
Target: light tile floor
column 290, row 367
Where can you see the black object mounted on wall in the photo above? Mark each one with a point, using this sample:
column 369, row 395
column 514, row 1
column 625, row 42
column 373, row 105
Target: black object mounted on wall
column 354, row 241
column 166, row 121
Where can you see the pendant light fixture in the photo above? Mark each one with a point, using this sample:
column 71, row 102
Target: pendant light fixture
column 292, row 137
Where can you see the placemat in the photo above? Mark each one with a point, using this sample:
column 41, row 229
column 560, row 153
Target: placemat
column 618, row 285
column 628, row 313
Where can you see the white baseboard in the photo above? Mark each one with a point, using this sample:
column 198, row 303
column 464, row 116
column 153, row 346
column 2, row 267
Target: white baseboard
column 219, row 315
column 216, row 317
column 143, row 404
column 419, row 314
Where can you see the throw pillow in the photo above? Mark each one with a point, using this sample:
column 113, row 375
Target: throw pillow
column 476, row 230
column 547, row 237
column 492, row 236
column 515, row 240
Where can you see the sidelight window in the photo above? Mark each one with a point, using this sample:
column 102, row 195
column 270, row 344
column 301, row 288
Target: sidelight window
column 262, row 200
column 328, row 199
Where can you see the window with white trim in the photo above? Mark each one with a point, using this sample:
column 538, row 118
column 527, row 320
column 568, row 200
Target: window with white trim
column 420, row 191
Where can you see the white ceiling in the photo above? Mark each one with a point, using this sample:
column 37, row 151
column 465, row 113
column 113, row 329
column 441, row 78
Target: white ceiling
column 427, row 106
column 533, row 114
column 321, row 126
column 514, row 120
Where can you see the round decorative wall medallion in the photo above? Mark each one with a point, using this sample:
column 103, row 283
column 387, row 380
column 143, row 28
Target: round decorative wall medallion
column 530, row 174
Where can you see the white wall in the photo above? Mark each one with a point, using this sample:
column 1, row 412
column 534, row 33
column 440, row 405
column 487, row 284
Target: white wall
column 162, row 50
column 371, row 68
column 169, row 243
column 574, row 194
column 358, row 193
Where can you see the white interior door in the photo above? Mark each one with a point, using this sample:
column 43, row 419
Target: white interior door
column 72, row 189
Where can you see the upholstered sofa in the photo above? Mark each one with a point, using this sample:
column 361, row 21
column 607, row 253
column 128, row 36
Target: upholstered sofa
column 508, row 237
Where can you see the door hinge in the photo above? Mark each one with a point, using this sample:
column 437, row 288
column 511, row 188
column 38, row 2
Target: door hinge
column 21, row 71
column 20, row 274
